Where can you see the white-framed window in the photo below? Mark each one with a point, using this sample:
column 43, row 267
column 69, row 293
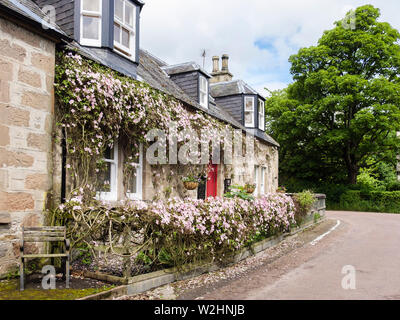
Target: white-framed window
column 203, row 92
column 262, row 181
column 249, row 112
column 108, row 178
column 134, row 187
column 256, row 168
column 124, row 28
column 261, row 115
column 91, row 22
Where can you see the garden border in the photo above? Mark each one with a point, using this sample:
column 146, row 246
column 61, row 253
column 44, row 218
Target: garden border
column 145, row 282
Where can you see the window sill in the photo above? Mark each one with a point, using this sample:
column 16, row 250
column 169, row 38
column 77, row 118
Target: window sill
column 134, row 197
column 123, row 52
column 90, row 43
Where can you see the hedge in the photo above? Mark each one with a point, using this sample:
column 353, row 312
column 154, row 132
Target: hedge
column 373, row 201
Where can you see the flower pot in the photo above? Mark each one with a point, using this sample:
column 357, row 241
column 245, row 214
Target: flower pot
column 190, row 185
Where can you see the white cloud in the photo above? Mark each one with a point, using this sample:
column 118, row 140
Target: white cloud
column 178, row 30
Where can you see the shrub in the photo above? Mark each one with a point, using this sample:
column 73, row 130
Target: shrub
column 393, row 186
column 367, row 182
column 303, row 202
column 333, row 192
column 236, row 191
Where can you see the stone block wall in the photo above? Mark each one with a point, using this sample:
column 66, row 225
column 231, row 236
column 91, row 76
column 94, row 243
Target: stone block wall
column 27, row 63
column 168, row 183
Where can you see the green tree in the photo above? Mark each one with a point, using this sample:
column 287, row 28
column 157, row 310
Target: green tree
column 343, row 107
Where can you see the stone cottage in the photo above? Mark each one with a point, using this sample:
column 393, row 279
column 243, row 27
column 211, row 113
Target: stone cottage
column 33, row 166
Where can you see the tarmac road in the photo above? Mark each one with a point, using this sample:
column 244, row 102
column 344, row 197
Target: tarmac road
column 368, row 243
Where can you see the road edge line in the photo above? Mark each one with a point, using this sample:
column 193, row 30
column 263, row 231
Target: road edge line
column 316, row 240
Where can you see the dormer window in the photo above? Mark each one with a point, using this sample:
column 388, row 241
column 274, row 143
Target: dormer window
column 91, row 22
column 261, row 115
column 124, row 27
column 203, row 92
column 249, row 112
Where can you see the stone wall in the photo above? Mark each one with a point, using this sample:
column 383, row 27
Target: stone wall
column 26, row 116
column 167, row 182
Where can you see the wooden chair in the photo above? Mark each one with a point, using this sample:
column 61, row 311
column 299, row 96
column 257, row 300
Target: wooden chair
column 44, row 234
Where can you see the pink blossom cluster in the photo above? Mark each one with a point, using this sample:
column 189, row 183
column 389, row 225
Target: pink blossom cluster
column 222, row 221
column 187, row 229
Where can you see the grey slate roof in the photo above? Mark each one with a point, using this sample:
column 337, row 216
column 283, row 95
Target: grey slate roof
column 30, row 10
column 107, row 58
column 185, row 67
column 229, row 88
column 262, row 135
column 152, row 71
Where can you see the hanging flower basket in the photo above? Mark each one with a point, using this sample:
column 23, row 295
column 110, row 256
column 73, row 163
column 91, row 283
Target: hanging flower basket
column 190, row 185
column 281, row 190
column 249, row 188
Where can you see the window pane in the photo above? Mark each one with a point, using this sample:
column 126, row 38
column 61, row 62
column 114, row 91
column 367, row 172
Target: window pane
column 104, row 179
column 249, row 118
column 91, row 5
column 129, row 14
column 203, row 84
column 119, row 9
column 125, row 38
column 249, row 104
column 262, row 180
column 261, row 107
column 132, row 187
column 117, row 33
column 109, row 154
column 90, row 28
column 202, row 98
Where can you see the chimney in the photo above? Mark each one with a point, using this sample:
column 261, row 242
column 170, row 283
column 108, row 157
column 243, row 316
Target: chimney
column 223, row 75
column 215, row 64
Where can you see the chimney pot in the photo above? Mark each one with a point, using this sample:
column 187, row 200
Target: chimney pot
column 215, row 64
column 223, row 75
column 225, row 61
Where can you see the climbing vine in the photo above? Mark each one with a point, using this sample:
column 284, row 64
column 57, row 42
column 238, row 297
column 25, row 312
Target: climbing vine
column 98, row 107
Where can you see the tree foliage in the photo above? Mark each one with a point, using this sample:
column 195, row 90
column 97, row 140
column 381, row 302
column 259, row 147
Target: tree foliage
column 343, row 107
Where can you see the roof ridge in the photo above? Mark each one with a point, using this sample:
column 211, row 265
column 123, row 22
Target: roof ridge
column 153, row 56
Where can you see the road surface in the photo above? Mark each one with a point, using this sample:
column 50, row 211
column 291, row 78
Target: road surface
column 367, row 243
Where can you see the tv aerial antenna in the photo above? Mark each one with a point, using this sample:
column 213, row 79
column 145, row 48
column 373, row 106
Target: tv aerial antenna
column 204, row 55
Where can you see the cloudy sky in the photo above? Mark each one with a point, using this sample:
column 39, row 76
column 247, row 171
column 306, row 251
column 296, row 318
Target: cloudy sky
column 259, row 35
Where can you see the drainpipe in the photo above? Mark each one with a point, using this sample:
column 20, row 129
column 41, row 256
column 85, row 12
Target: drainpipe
column 63, row 167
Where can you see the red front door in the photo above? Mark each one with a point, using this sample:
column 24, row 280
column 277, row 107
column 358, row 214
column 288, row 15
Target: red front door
column 212, row 180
